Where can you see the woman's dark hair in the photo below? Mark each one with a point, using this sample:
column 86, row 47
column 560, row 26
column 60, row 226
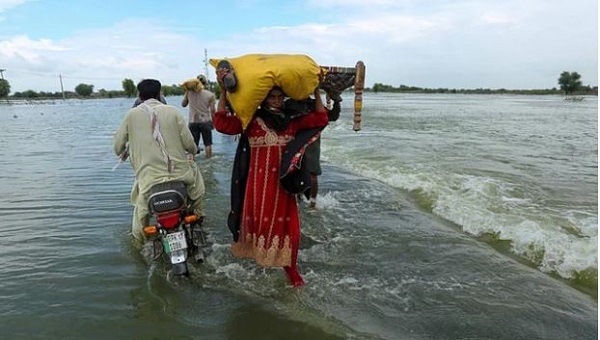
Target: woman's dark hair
column 149, row 88
column 275, row 120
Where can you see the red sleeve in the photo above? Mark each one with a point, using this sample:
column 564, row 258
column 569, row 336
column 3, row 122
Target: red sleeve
column 309, row 121
column 227, row 124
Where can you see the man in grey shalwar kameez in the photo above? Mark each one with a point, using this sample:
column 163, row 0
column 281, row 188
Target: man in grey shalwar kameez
column 160, row 148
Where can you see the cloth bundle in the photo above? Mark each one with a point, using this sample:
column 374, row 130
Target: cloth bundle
column 296, row 74
column 193, row 84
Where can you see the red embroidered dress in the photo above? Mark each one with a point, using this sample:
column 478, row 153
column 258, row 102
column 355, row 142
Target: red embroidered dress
column 270, row 225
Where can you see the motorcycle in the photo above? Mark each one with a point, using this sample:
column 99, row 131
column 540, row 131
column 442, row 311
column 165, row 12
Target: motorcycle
column 177, row 232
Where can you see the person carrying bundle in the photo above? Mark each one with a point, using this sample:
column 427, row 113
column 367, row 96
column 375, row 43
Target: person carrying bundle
column 264, row 215
column 202, row 106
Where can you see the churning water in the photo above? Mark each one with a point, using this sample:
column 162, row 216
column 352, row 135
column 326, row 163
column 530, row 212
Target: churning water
column 446, row 217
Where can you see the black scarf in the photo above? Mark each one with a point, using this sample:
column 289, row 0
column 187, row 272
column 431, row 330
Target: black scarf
column 277, row 121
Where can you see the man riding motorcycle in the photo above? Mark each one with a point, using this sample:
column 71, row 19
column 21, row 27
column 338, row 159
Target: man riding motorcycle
column 161, row 149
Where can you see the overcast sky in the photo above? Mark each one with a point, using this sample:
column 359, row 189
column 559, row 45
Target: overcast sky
column 512, row 44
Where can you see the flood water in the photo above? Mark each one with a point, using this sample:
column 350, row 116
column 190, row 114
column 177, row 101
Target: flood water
column 446, row 217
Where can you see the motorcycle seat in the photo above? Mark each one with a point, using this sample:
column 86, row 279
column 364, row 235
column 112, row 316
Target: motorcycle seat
column 167, row 196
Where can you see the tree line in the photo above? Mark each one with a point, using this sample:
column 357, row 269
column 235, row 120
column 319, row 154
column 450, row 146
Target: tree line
column 86, row 91
column 570, row 84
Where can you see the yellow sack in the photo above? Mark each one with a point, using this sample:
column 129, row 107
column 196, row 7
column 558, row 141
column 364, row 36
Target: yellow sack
column 296, row 74
column 193, row 84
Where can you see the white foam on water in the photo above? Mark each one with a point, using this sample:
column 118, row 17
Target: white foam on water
column 234, row 270
column 587, row 223
column 483, row 205
column 327, row 201
column 346, row 280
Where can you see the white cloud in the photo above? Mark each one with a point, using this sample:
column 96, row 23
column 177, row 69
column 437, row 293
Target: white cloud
column 8, row 4
column 356, row 3
column 492, row 18
column 30, row 50
column 33, row 58
column 459, row 44
column 102, row 57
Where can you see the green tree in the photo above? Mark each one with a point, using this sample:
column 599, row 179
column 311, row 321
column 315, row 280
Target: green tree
column 377, row 87
column 4, row 88
column 129, row 88
column 569, row 82
column 84, row 90
column 173, row 90
column 26, row 94
column 216, row 89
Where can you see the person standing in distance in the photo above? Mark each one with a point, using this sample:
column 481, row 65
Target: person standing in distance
column 312, row 157
column 202, row 107
column 312, row 154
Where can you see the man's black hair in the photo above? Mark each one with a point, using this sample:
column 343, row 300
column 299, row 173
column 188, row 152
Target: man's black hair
column 149, row 88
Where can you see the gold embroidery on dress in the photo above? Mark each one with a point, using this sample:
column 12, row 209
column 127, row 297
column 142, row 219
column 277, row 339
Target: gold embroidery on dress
column 259, row 250
column 274, row 217
column 273, row 256
column 273, row 250
column 270, row 138
column 266, row 249
column 263, row 190
column 262, row 124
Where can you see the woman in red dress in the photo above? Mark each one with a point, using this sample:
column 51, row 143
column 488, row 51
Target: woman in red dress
column 269, row 225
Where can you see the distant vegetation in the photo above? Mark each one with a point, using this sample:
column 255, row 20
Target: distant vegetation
column 4, row 88
column 570, row 84
column 86, row 91
column 129, row 88
column 377, row 87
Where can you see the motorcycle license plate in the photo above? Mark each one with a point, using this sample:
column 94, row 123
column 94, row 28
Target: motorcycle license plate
column 176, row 241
